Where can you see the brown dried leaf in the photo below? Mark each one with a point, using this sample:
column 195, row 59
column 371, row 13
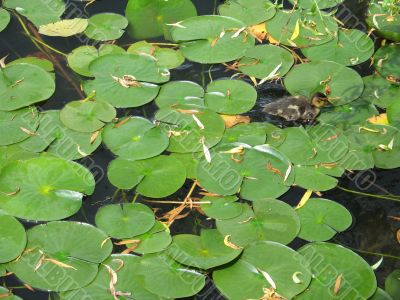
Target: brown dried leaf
column 232, row 120
column 338, row 283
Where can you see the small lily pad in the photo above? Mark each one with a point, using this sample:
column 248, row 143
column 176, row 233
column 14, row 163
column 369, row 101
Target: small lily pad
column 386, row 61
column 125, row 220
column 321, row 219
column 230, row 96
column 135, row 138
column 180, row 92
column 12, row 238
column 205, row 251
column 87, row 116
column 4, row 19
column 155, row 177
column 45, row 64
column 221, row 208
column 106, row 26
column 64, row 28
column 44, row 188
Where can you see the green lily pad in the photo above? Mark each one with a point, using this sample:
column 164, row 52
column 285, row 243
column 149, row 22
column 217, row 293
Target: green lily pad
column 321, row 4
column 44, row 188
column 155, row 177
column 124, row 266
column 12, row 238
column 125, row 220
column 384, row 17
column 64, row 256
column 125, row 80
column 7, row 294
column 190, row 162
column 349, row 48
column 393, row 114
column 381, row 295
column 80, row 58
column 380, row 91
column 18, row 125
column 12, row 153
column 137, row 138
column 205, row 251
column 252, row 134
column 358, row 278
column 180, row 92
column 221, row 208
column 54, row 137
column 87, row 116
column 386, row 61
column 392, row 284
column 311, row 178
column 106, row 27
column 157, row 239
column 24, row 84
column 344, row 84
column 212, row 39
column 230, row 96
column 4, row 19
column 249, row 12
column 38, row 12
column 386, row 155
column 247, row 278
column 149, row 18
column 189, row 126
column 33, row 60
column 165, row 57
column 302, row 28
column 321, row 219
column 264, row 60
column 271, row 220
column 158, row 273
column 297, row 146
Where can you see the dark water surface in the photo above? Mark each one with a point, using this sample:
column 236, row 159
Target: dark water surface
column 372, row 231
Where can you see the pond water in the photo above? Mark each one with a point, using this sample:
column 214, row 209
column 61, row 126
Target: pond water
column 372, row 234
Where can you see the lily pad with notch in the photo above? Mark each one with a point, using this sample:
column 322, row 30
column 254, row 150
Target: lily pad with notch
column 106, row 26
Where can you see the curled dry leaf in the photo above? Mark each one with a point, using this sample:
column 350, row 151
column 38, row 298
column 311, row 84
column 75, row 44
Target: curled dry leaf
column 296, row 278
column 229, row 244
column 304, row 199
column 338, row 284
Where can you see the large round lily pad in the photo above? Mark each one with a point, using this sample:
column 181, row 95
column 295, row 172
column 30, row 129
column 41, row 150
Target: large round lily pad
column 24, row 84
column 271, row 220
column 180, row 92
column 340, row 84
column 44, row 188
column 125, row 220
column 328, row 262
column 106, row 26
column 205, row 251
column 63, row 256
column 386, row 61
column 321, row 219
column 262, row 265
column 12, row 238
column 212, row 39
column 155, row 177
column 230, row 96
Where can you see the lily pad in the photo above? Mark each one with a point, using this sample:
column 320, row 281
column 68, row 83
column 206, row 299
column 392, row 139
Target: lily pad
column 247, row 278
column 381, row 295
column 380, row 91
column 38, row 12
column 252, row 134
column 384, row 17
column 155, row 177
column 205, row 251
column 180, row 92
column 158, row 273
column 386, row 61
column 190, row 161
column 266, row 60
column 392, row 284
column 125, row 220
column 64, row 28
column 57, row 139
column 212, row 39
column 18, row 125
column 106, row 26
column 357, row 277
column 321, row 219
column 45, row 64
column 135, row 138
column 271, row 220
column 61, row 262
column 311, row 178
column 24, row 84
column 12, row 238
column 221, row 208
column 7, row 294
column 125, row 80
column 4, row 19
column 87, row 116
column 230, row 96
column 150, row 18
column 349, row 48
column 44, row 188
column 80, row 58
column 249, row 12
column 165, row 57
column 320, row 4
column 190, row 126
column 341, row 84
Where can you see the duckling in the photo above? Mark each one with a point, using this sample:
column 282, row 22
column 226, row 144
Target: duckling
column 296, row 108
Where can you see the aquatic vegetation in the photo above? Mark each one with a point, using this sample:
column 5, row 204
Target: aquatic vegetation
column 200, row 149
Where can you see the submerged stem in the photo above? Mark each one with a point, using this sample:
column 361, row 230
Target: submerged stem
column 368, row 252
column 369, row 195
